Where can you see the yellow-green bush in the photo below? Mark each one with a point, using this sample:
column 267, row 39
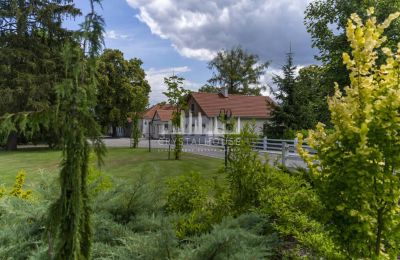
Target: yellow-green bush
column 97, row 180
column 2, row 192
column 17, row 190
column 357, row 164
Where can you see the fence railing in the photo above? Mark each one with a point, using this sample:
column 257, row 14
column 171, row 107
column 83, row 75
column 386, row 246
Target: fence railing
column 285, row 148
column 269, row 145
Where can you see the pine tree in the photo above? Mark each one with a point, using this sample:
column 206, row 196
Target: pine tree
column 284, row 114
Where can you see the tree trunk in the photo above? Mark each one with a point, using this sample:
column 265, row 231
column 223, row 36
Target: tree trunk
column 114, row 131
column 12, row 141
column 379, row 232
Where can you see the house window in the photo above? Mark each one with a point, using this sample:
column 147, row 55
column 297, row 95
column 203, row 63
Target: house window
column 166, row 126
column 192, row 108
column 204, row 125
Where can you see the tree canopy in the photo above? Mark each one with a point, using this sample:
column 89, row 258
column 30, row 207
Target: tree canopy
column 326, row 21
column 300, row 99
column 238, row 70
column 31, row 40
column 123, row 90
column 177, row 96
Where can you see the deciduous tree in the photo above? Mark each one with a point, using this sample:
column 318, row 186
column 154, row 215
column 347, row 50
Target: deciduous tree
column 237, row 70
column 357, row 163
column 123, row 89
column 176, row 95
column 326, row 21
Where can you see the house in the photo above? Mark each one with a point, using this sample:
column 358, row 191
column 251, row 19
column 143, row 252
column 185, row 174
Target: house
column 156, row 121
column 203, row 115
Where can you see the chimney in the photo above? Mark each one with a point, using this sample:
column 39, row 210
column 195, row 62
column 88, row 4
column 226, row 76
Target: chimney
column 224, row 91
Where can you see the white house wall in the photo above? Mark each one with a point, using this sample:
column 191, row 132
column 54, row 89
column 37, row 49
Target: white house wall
column 212, row 126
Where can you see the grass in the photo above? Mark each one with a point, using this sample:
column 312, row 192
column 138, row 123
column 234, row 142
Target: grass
column 123, row 164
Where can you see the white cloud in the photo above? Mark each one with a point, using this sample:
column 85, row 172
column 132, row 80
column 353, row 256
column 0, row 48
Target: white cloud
column 197, row 29
column 111, row 34
column 156, row 77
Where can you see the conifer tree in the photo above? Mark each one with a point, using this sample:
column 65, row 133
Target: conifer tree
column 284, row 114
column 31, row 39
column 70, row 214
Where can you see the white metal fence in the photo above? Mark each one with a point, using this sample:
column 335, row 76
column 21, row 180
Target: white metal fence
column 286, row 149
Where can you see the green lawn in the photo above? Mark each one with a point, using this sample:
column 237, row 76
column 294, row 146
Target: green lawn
column 123, row 164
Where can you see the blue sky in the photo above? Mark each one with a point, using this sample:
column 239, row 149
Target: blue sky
column 181, row 36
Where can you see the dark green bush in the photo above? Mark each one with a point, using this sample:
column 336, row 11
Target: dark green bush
column 297, row 211
column 125, row 202
column 241, row 238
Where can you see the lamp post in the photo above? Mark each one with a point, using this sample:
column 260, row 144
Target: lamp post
column 150, row 124
column 225, row 116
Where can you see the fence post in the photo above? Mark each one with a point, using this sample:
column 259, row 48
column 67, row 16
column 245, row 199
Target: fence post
column 265, row 143
column 284, row 145
column 296, row 141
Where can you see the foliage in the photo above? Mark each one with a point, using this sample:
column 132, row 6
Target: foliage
column 301, row 100
column 357, row 163
column 97, row 181
column 296, row 211
column 201, row 204
column 326, row 21
column 240, row 238
column 185, row 192
column 136, row 133
column 126, row 202
column 2, row 192
column 237, row 70
column 207, row 88
column 177, row 96
column 76, row 95
column 17, row 190
column 244, row 171
column 123, row 90
column 31, row 41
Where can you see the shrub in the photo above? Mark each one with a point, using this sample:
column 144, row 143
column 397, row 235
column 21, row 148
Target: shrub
column 17, row 190
column 296, row 210
column 2, row 192
column 245, row 171
column 22, row 224
column 239, row 238
column 126, row 202
column 97, row 180
column 357, row 163
column 186, row 193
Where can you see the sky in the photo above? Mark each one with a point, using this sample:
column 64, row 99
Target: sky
column 181, row 36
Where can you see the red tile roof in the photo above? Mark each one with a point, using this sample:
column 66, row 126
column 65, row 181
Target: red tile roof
column 164, row 115
column 243, row 106
column 149, row 113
